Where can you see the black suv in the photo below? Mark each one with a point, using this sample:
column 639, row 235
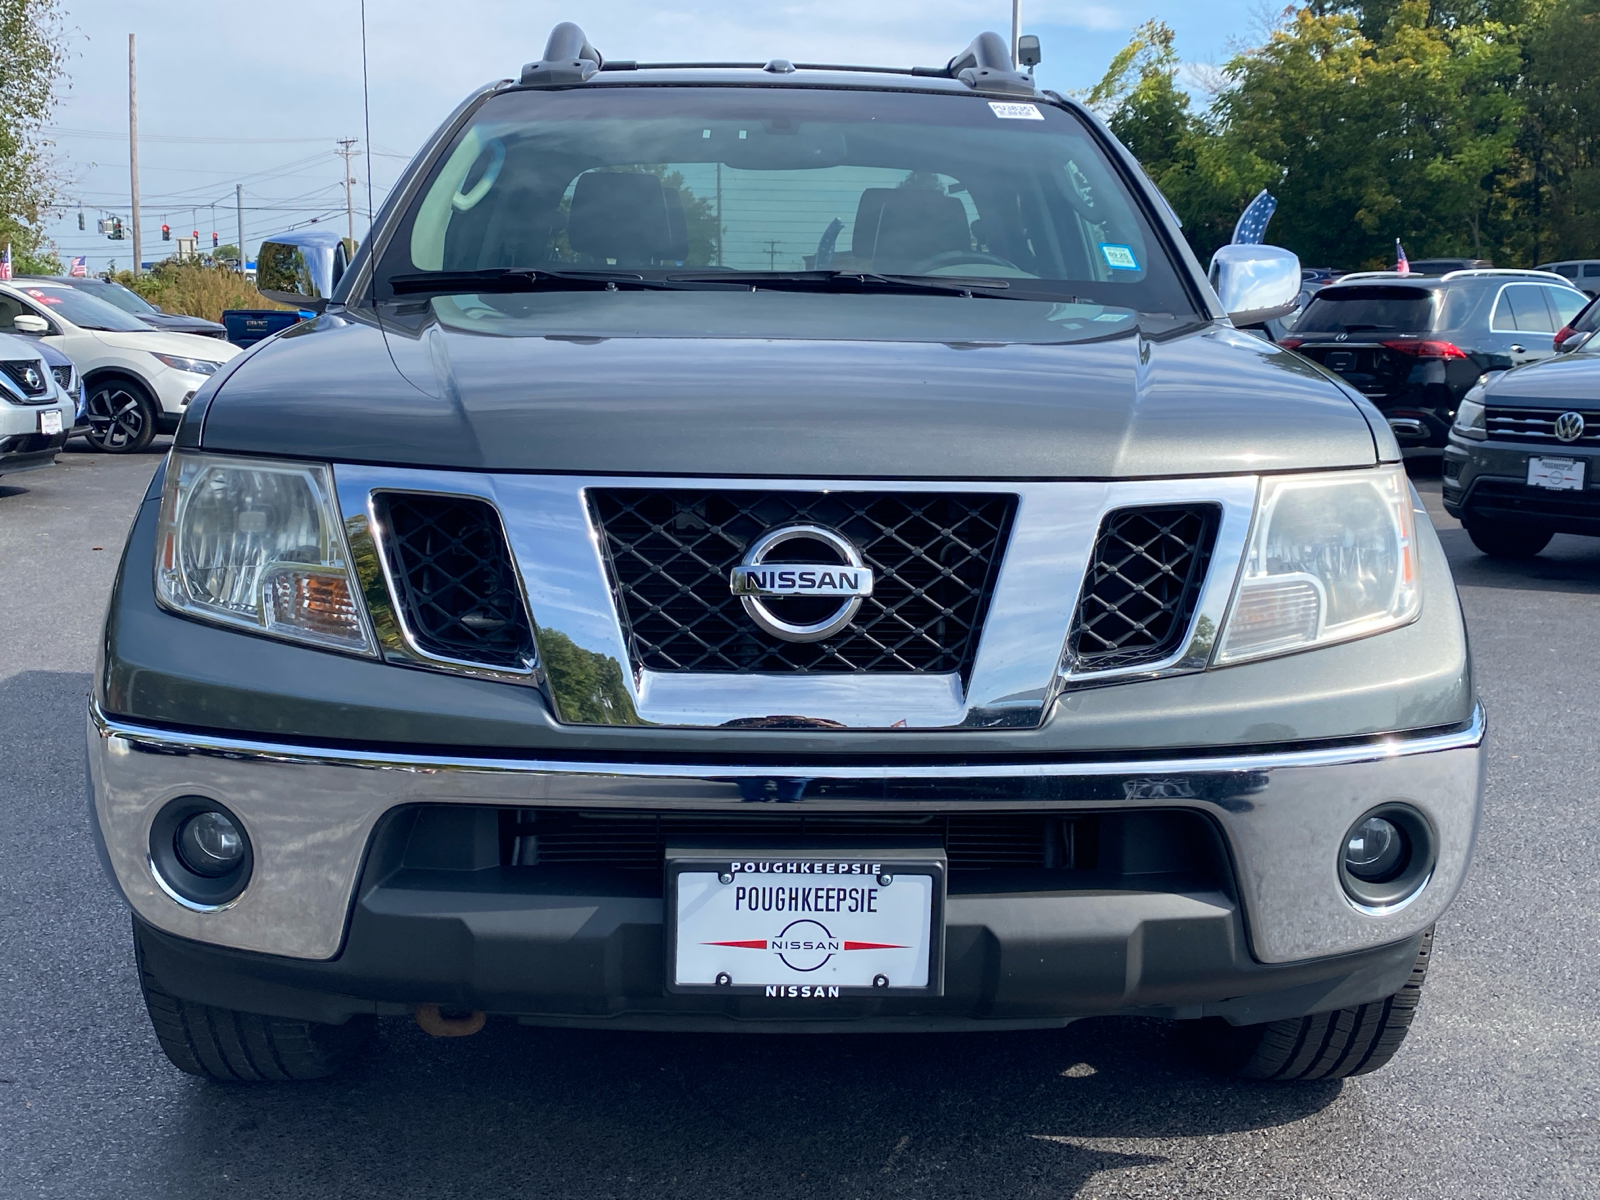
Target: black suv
column 1414, row 345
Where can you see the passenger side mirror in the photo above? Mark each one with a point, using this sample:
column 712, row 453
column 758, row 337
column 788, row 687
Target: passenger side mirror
column 1255, row 283
column 28, row 323
column 300, row 272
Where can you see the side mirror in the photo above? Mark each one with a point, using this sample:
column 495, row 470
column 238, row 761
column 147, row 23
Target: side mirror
column 1255, row 283
column 302, row 275
column 28, row 323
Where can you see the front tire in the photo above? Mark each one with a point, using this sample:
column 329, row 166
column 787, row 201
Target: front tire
column 234, row 1047
column 1329, row 1045
column 121, row 417
column 1508, row 539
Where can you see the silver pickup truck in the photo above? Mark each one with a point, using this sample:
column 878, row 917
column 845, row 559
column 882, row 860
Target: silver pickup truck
column 782, row 547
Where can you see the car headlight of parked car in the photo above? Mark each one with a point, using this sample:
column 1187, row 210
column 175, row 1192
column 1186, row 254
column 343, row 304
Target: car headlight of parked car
column 1332, row 557
column 1470, row 416
column 257, row 544
column 195, row 366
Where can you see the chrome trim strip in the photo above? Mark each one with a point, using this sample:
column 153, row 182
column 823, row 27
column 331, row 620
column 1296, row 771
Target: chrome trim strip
column 178, row 897
column 1015, row 678
column 141, row 737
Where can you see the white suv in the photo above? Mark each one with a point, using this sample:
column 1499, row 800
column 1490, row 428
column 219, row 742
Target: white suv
column 36, row 405
column 138, row 380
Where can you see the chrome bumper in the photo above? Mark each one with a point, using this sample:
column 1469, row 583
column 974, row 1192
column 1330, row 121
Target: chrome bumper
column 311, row 811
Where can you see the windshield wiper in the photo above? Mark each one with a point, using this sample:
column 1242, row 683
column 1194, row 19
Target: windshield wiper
column 850, row 281
column 516, row 279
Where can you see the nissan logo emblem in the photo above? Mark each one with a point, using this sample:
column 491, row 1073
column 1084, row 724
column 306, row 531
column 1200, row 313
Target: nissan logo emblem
column 768, row 586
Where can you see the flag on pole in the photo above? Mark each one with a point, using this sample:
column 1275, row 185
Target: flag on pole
column 5, row 264
column 1252, row 224
column 1401, row 266
column 80, row 267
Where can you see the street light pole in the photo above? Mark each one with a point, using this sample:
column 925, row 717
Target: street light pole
column 133, row 154
column 238, row 206
column 347, row 147
column 1016, row 28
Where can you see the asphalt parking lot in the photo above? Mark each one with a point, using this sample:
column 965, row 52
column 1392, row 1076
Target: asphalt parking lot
column 1496, row 1093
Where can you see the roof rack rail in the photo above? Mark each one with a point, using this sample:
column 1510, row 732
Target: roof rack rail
column 986, row 64
column 568, row 58
column 1550, row 275
column 1377, row 275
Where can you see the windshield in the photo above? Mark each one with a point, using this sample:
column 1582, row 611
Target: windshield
column 1375, row 309
column 679, row 185
column 84, row 311
column 116, row 295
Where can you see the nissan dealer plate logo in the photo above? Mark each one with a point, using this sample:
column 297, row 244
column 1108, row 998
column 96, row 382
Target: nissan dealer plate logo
column 1569, row 426
column 792, row 591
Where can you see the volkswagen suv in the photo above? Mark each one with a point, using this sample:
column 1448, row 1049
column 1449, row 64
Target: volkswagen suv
column 781, row 547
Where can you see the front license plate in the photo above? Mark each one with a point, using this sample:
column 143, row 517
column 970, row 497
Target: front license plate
column 805, row 928
column 1559, row 474
column 50, row 420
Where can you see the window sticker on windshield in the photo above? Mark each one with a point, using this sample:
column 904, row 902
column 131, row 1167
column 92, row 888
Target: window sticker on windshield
column 1016, row 112
column 1119, row 258
column 1113, row 316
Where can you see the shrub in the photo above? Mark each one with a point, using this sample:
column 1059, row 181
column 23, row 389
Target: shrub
column 202, row 288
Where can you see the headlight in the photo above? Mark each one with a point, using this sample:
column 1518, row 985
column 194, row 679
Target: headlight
column 195, row 366
column 1332, row 557
column 1470, row 422
column 257, row 544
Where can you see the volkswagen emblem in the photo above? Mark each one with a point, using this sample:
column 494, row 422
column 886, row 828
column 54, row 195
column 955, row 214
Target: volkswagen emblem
column 1569, row 426
column 789, row 589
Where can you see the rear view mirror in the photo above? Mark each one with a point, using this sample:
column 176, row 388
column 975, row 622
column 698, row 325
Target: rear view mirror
column 1255, row 283
column 28, row 323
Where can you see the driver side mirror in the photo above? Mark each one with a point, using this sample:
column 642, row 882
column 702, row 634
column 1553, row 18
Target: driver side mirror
column 1255, row 283
column 28, row 323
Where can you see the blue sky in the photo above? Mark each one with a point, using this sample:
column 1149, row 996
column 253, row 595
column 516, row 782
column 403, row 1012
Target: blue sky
column 258, row 93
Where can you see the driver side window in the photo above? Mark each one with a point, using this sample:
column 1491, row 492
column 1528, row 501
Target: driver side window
column 10, row 309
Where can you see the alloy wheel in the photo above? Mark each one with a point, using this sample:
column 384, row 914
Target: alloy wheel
column 119, row 419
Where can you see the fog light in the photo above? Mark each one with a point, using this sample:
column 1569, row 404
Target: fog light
column 210, row 844
column 1387, row 858
column 200, row 853
column 1374, row 850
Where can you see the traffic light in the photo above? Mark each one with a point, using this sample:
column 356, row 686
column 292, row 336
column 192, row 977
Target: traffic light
column 166, row 233
column 80, row 221
column 196, row 236
column 116, row 234
column 215, row 241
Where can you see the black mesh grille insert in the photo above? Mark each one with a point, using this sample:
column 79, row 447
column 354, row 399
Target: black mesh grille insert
column 934, row 557
column 636, row 841
column 1142, row 584
column 453, row 572
column 29, row 376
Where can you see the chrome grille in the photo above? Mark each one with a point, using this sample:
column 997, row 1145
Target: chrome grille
column 934, row 556
column 453, row 577
column 19, row 372
column 1538, row 425
column 1142, row 585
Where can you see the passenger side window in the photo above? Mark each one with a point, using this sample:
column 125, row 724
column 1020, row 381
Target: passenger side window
column 1565, row 304
column 1521, row 309
column 10, row 309
column 1591, row 270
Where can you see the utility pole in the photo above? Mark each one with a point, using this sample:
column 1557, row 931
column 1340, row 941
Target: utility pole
column 133, row 154
column 347, row 147
column 1016, row 29
column 238, row 205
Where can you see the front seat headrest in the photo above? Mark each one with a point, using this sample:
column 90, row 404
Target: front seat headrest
column 621, row 217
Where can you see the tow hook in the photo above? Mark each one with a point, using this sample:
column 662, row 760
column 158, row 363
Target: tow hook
column 433, row 1022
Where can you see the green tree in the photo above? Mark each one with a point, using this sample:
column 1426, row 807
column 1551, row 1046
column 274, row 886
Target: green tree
column 1560, row 197
column 31, row 67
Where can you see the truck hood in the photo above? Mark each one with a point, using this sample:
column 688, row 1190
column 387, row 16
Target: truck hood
column 1212, row 401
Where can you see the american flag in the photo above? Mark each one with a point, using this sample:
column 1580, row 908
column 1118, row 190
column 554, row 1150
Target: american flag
column 80, row 267
column 1401, row 266
column 5, row 264
column 1252, row 226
